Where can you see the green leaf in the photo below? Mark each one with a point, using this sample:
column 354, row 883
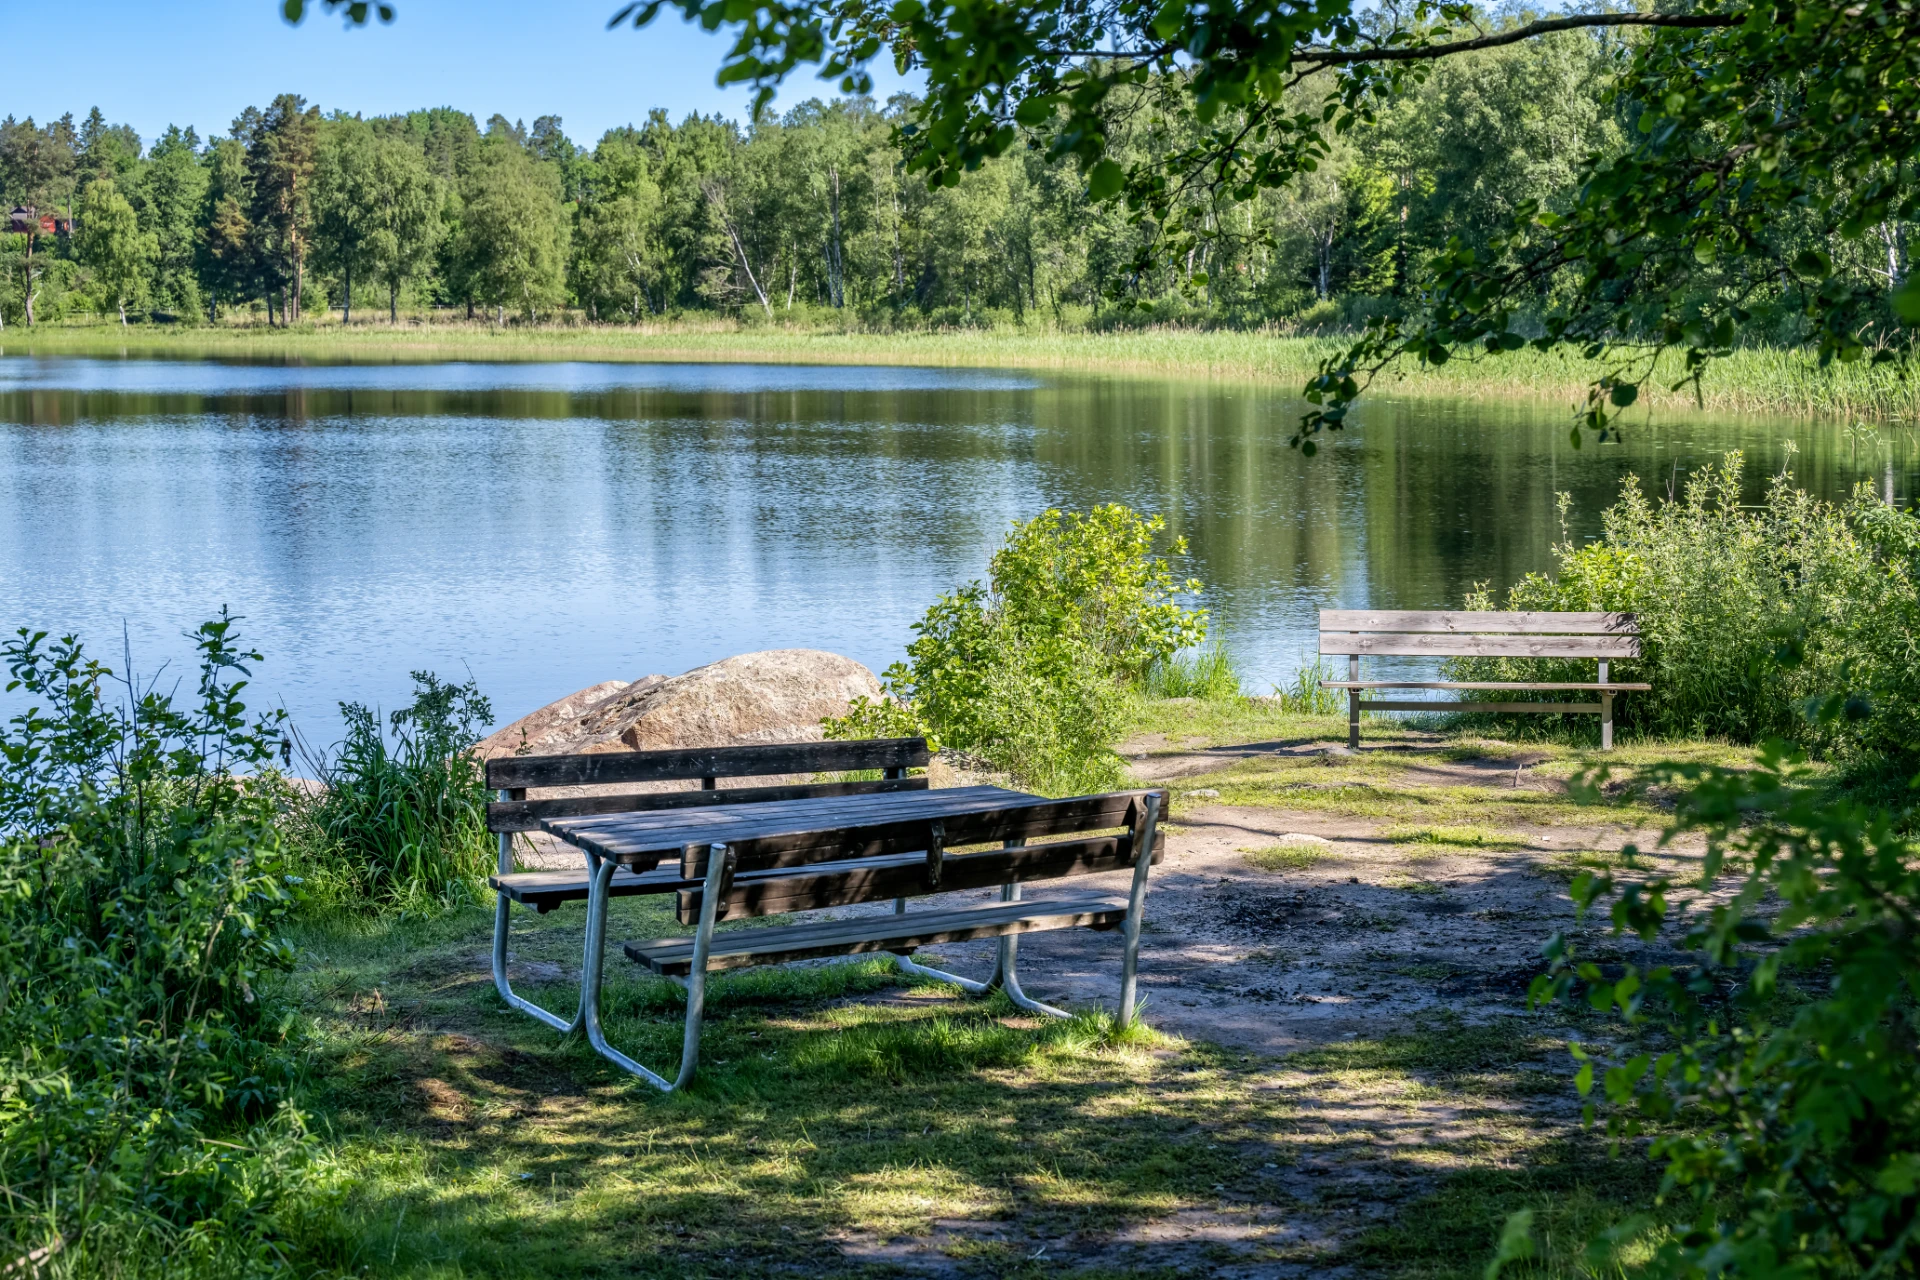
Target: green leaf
column 294, row 10
column 1623, row 394
column 1516, row 1243
column 1906, row 300
column 1105, row 179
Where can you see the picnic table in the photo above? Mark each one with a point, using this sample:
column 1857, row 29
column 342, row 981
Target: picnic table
column 789, row 855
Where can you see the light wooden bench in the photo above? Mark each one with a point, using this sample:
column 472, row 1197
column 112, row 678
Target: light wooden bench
column 893, row 860
column 1354, row 633
column 511, row 777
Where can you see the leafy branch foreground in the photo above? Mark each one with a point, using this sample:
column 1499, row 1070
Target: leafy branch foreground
column 1787, row 1107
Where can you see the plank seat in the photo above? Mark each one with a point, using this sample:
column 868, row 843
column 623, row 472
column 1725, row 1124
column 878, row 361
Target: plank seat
column 739, row 948
column 513, row 811
column 1603, row 637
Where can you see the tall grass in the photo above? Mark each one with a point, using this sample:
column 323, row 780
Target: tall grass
column 401, row 825
column 1303, row 694
column 1756, row 379
column 1208, row 673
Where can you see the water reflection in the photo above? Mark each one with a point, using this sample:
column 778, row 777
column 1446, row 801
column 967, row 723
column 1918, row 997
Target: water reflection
column 547, row 526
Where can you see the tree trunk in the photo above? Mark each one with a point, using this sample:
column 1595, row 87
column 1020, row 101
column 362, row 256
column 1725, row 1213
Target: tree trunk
column 793, row 278
column 29, row 282
column 123, row 315
column 346, row 303
column 269, row 306
column 393, row 302
column 836, row 284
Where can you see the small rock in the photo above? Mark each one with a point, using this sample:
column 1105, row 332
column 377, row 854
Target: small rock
column 1204, row 793
column 1297, row 839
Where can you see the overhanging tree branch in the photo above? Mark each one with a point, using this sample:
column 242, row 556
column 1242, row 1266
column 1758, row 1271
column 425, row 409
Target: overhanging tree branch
column 1545, row 26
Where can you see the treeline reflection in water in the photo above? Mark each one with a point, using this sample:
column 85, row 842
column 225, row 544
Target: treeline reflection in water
column 548, row 526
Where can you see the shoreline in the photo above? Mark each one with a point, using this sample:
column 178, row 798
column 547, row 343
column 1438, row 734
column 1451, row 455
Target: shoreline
column 1753, row 381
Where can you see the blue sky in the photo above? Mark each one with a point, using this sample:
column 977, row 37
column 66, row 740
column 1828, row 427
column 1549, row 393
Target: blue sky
column 150, row 65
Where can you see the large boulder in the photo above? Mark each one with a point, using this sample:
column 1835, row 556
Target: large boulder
column 547, row 731
column 779, row 695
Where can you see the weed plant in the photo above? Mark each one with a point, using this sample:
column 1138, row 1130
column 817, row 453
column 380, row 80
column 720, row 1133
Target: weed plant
column 1303, row 695
column 401, row 825
column 144, row 1068
column 1208, row 674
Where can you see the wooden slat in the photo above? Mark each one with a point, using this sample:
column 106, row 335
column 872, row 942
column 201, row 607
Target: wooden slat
column 634, row 838
column 1451, row 708
column 971, row 824
column 525, row 815
column 604, row 768
column 839, row 884
column 1418, row 645
column 739, row 948
column 1460, row 622
column 1478, row 684
column 545, row 890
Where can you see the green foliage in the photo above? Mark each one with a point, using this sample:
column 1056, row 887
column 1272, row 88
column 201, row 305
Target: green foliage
column 1304, row 696
column 1776, row 1074
column 1206, row 673
column 402, row 826
column 1745, row 613
column 1035, row 672
column 113, row 246
column 882, row 717
column 143, row 887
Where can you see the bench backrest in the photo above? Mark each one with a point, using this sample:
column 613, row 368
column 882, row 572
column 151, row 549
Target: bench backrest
column 515, row 774
column 885, row 860
column 1442, row 634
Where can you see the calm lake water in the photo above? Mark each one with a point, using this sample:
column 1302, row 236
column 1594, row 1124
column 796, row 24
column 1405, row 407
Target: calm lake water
column 546, row 526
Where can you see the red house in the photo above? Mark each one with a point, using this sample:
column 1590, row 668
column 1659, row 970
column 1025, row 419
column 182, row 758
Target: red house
column 22, row 219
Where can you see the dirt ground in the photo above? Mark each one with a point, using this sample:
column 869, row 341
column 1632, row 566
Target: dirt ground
column 1275, row 932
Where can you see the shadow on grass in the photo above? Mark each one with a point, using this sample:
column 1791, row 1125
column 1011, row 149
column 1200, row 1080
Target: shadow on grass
column 846, row 1121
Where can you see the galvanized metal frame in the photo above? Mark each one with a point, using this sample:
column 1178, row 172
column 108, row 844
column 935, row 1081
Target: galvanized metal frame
column 501, row 913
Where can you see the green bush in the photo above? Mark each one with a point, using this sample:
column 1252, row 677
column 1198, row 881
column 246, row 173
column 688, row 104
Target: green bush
column 402, row 826
column 144, row 1127
column 1034, row 670
column 1745, row 614
column 1776, row 1075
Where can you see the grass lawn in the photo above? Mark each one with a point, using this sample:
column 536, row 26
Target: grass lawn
column 848, row 1121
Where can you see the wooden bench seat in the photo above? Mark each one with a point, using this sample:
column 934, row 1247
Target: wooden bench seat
column 893, row 857
column 739, row 948
column 513, row 811
column 1604, row 637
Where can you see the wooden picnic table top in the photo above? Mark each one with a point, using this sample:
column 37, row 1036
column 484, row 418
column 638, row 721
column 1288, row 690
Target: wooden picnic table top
column 639, row 840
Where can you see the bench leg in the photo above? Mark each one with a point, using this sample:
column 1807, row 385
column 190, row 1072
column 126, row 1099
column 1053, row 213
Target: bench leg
column 1353, row 706
column 907, row 966
column 1007, row 976
column 1136, row 905
column 717, row 860
column 501, row 913
column 1606, row 721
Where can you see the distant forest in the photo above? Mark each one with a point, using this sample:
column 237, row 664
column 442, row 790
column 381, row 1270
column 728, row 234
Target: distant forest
column 295, row 210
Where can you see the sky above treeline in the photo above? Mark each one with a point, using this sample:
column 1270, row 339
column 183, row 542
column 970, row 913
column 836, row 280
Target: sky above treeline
column 150, row 65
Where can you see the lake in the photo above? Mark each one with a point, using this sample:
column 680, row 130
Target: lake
column 547, row 526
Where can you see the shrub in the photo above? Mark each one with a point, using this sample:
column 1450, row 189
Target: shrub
column 1034, row 671
column 1777, row 1073
column 143, row 1071
column 1745, row 613
column 402, row 826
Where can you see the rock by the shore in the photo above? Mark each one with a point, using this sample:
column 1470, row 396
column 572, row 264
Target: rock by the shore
column 548, row 730
column 778, row 695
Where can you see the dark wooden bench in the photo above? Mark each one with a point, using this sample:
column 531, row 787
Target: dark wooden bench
column 512, row 812
column 894, row 860
column 1408, row 633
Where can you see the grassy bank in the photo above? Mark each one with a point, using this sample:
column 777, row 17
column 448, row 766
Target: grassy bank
column 1756, row 380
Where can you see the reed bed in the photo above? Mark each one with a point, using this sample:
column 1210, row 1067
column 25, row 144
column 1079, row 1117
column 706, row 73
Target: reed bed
column 1758, row 379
